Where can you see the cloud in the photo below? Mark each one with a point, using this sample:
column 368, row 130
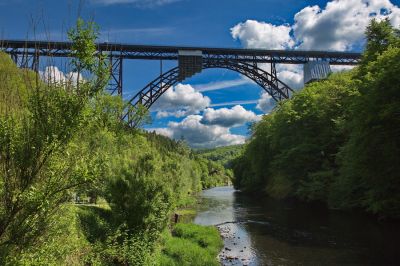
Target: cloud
column 180, row 100
column 138, row 3
column 199, row 135
column 265, row 103
column 162, row 131
column 292, row 75
column 212, row 86
column 341, row 25
column 53, row 75
column 225, row 117
column 255, row 34
column 341, row 68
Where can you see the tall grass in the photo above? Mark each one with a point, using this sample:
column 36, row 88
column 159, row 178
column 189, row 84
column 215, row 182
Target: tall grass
column 191, row 244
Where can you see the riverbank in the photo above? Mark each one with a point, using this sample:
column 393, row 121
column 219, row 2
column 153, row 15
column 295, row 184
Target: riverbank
column 230, row 252
column 190, row 244
column 235, row 250
column 216, row 209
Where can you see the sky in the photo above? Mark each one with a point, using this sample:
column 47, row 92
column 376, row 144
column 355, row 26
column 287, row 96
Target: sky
column 215, row 107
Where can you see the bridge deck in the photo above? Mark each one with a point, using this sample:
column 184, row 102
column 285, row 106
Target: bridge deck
column 153, row 52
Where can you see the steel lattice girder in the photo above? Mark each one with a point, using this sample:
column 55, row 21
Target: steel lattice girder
column 115, row 82
column 63, row 49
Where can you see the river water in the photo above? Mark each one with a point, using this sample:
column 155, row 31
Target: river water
column 269, row 232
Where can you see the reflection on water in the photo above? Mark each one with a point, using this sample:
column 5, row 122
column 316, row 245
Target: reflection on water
column 216, row 206
column 268, row 232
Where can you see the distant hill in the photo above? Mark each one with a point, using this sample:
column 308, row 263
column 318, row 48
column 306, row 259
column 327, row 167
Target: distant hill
column 222, row 155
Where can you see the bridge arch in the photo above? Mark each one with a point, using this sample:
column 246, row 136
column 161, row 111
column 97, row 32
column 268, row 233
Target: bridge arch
column 149, row 94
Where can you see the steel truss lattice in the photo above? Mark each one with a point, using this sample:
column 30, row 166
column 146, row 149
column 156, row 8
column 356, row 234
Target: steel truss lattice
column 149, row 94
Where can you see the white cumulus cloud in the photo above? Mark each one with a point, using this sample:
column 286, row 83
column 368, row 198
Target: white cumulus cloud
column 265, row 103
column 199, row 135
column 341, row 68
column 255, row 34
column 225, row 117
column 292, row 75
column 180, row 100
column 54, row 75
column 341, row 25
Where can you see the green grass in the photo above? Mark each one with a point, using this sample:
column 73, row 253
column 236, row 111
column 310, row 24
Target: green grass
column 62, row 244
column 185, row 215
column 191, row 244
column 80, row 234
column 95, row 222
column 191, row 212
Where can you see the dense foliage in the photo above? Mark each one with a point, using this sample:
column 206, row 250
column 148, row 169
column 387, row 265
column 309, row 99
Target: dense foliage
column 217, row 164
column 336, row 141
column 222, row 155
column 39, row 160
column 77, row 186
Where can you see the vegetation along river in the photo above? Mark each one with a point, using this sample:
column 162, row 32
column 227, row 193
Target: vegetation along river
column 268, row 232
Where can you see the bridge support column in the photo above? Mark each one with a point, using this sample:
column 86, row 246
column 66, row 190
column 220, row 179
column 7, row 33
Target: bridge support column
column 115, row 83
column 29, row 61
column 274, row 75
column 190, row 62
column 14, row 57
column 316, row 70
column 35, row 62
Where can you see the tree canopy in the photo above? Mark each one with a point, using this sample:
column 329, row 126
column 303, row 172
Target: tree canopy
column 337, row 140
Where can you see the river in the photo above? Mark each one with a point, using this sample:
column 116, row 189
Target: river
column 270, row 232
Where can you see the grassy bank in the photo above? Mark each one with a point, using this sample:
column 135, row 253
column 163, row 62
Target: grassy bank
column 80, row 236
column 190, row 244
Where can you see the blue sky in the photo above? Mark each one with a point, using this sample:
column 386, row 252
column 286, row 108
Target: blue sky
column 215, row 107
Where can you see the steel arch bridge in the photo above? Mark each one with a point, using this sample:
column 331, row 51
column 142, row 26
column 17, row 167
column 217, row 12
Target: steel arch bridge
column 191, row 60
column 149, row 94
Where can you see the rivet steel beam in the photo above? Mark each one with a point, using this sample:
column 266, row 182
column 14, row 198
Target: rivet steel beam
column 151, row 52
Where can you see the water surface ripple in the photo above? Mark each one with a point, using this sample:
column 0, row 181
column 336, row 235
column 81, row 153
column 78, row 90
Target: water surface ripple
column 269, row 232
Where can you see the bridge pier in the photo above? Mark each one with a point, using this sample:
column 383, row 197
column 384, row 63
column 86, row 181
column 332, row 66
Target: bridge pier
column 316, row 70
column 14, row 57
column 190, row 62
column 274, row 75
column 115, row 82
column 29, row 61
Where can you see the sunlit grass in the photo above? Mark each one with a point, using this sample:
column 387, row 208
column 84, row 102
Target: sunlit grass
column 191, row 244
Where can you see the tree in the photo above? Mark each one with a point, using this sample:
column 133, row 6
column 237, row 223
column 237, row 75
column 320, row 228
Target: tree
column 39, row 162
column 380, row 35
column 370, row 172
column 337, row 140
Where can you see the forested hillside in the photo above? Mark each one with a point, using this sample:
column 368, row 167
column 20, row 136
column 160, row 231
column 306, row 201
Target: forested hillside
column 336, row 141
column 222, row 155
column 77, row 187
